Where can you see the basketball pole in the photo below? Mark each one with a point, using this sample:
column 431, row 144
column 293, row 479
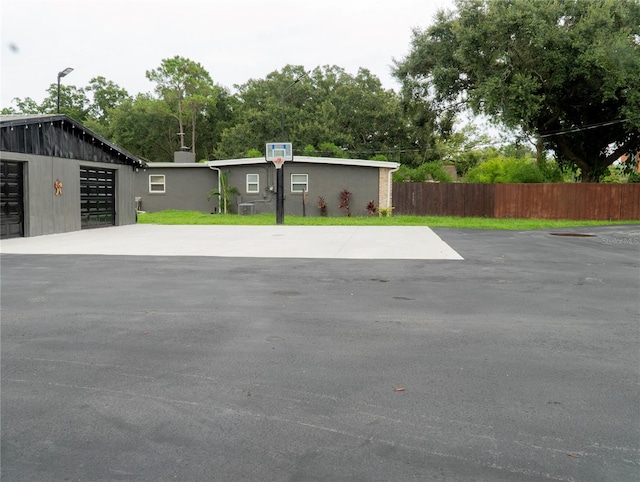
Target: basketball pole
column 280, row 195
column 280, row 172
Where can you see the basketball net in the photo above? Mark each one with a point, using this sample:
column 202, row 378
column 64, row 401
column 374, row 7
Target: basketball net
column 278, row 161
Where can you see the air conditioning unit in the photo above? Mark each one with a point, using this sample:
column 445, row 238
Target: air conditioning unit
column 246, row 209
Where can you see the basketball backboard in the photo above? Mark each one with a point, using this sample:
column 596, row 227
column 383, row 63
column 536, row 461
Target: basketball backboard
column 277, row 150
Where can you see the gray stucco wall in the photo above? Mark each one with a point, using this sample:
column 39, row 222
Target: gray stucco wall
column 326, row 180
column 186, row 188
column 46, row 213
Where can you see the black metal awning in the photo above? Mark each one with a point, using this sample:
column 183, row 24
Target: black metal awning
column 60, row 136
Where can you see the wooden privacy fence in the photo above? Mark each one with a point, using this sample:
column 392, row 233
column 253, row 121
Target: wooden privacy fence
column 608, row 202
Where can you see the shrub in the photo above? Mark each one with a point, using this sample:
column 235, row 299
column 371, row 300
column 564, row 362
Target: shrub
column 371, row 207
column 254, row 153
column 322, row 206
column 329, row 149
column 345, row 196
column 379, row 157
column 309, row 151
column 634, row 177
column 422, row 173
column 509, row 170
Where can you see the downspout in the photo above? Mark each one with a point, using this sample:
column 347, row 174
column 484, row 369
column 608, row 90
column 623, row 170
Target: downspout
column 219, row 187
column 389, row 185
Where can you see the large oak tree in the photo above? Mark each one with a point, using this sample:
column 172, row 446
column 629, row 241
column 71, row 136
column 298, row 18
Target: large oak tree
column 565, row 72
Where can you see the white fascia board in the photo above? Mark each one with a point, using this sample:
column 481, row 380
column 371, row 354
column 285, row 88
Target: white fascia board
column 306, row 159
column 176, row 164
column 236, row 162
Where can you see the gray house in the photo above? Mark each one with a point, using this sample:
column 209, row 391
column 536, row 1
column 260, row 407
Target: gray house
column 58, row 176
column 251, row 185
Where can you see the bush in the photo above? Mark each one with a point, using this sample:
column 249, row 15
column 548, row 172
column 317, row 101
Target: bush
column 254, row 153
column 379, row 157
column 329, row 149
column 309, row 151
column 501, row 170
column 424, row 172
column 634, row 177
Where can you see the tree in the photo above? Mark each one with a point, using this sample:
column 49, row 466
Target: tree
column 73, row 102
column 187, row 89
column 106, row 96
column 564, row 72
column 144, row 127
column 326, row 107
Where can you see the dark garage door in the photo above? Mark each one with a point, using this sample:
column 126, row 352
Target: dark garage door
column 11, row 203
column 97, row 197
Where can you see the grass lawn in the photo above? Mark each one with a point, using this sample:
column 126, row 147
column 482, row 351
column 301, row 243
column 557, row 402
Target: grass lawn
column 196, row 217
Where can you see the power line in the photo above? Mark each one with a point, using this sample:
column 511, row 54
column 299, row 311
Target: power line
column 588, row 127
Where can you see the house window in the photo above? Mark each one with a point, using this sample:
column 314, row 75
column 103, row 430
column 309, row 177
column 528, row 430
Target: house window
column 157, row 184
column 253, row 183
column 299, row 182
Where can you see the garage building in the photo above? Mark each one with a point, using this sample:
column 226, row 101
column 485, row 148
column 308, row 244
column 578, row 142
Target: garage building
column 58, row 176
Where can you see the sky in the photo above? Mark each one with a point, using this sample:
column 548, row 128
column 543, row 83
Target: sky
column 234, row 40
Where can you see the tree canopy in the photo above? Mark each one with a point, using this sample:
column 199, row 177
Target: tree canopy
column 564, row 72
column 326, row 106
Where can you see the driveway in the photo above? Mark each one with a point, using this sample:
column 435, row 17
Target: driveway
column 340, row 242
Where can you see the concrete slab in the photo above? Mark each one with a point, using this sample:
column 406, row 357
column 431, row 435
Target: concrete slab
column 338, row 242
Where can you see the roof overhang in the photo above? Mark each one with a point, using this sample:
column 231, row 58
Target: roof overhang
column 173, row 165
column 306, row 160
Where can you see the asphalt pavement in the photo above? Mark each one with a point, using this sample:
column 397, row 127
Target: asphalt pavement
column 514, row 358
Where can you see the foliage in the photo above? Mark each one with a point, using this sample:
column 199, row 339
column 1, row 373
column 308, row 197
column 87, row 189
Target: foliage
column 511, row 170
column 371, row 208
column 634, row 177
column 618, row 174
column 224, row 194
column 73, row 102
column 345, row 197
column 310, row 151
column 254, row 153
column 187, row 90
column 106, row 97
column 379, row 157
column 322, row 206
column 173, row 217
column 143, row 127
column 425, row 172
column 565, row 73
column 329, row 112
column 329, row 149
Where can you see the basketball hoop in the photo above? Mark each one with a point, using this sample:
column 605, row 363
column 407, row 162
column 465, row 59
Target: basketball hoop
column 278, row 161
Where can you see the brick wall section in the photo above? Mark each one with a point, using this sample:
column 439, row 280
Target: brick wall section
column 383, row 188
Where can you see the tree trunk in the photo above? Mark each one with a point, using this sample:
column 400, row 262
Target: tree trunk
column 539, row 149
column 193, row 130
column 181, row 134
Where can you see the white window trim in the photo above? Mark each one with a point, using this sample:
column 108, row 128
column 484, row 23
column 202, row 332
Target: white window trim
column 162, row 183
column 297, row 183
column 256, row 183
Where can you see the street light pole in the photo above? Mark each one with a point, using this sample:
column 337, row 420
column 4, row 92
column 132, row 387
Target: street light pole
column 64, row 73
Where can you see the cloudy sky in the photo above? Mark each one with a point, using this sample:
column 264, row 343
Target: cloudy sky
column 234, row 40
